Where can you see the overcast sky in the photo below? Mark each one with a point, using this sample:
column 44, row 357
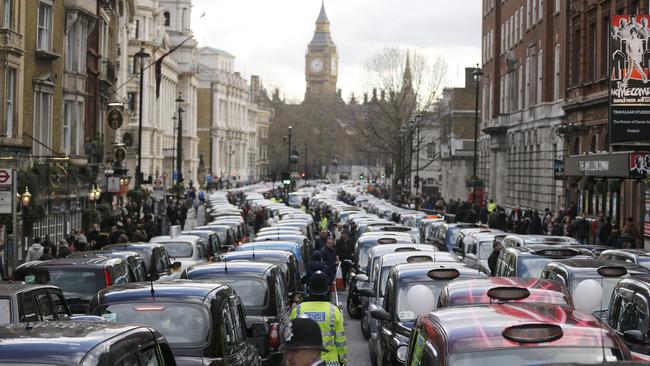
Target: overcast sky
column 270, row 37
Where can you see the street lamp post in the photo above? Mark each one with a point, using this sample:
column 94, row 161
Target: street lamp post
column 179, row 139
column 141, row 56
column 416, row 125
column 289, row 153
column 477, row 76
column 403, row 131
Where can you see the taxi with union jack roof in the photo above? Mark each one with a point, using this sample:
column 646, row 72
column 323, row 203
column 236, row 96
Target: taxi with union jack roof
column 512, row 334
column 499, row 289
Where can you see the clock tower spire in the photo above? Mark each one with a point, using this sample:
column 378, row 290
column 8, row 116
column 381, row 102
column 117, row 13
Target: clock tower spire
column 321, row 61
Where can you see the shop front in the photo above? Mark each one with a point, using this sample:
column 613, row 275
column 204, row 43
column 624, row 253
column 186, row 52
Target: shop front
column 613, row 183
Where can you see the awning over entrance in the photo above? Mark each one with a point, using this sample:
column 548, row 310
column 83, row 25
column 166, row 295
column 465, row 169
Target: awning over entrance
column 624, row 164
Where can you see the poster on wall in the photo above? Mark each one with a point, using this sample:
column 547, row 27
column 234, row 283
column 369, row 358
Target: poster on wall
column 639, row 164
column 629, row 54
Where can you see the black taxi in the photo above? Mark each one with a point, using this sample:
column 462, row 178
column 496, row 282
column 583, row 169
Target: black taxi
column 204, row 323
column 600, row 273
column 398, row 315
column 637, row 256
column 629, row 314
column 133, row 259
column 263, row 292
column 529, row 261
column 155, row 257
column 78, row 278
column 83, row 343
column 20, row 302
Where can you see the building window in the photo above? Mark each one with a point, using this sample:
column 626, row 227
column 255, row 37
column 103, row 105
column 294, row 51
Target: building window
column 76, row 43
column 556, row 73
column 529, row 14
column 7, row 18
column 44, row 34
column 42, row 122
column 167, row 19
column 540, row 76
column 558, row 5
column 10, row 104
column 541, row 10
column 521, row 87
column 431, row 149
column 137, row 29
column 503, row 38
column 521, row 23
column 73, row 127
column 131, row 97
column 527, row 98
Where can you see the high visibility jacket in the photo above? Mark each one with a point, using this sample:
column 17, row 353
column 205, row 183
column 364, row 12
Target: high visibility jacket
column 330, row 321
column 323, row 223
column 491, row 207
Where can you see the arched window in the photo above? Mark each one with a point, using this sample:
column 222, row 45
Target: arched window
column 575, row 149
column 167, row 19
column 592, row 144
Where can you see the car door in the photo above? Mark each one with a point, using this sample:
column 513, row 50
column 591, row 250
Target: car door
column 231, row 347
column 386, row 327
column 28, row 310
column 45, row 305
column 246, row 354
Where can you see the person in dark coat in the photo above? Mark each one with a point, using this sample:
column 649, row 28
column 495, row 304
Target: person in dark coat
column 345, row 250
column 330, row 258
column 315, row 264
column 321, row 240
column 612, row 241
column 535, row 225
column 605, row 230
column 492, row 259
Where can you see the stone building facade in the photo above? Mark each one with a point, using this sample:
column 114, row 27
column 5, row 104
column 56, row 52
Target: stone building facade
column 521, row 104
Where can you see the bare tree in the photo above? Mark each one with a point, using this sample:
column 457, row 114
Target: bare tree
column 409, row 83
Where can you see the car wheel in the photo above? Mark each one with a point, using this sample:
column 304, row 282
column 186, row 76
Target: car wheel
column 365, row 328
column 353, row 309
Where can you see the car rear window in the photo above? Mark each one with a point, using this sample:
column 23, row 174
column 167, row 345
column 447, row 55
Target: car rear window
column 5, row 311
column 253, row 292
column 178, row 249
column 183, row 325
column 76, row 284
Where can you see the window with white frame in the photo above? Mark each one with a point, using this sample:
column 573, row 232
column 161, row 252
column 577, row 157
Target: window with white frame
column 7, row 14
column 42, row 121
column 501, row 95
column 10, row 102
column 521, row 23
column 520, row 78
column 44, row 27
column 556, row 73
column 534, row 20
column 431, row 150
column 558, row 5
column 541, row 10
column 527, row 72
column 529, row 14
column 503, row 37
column 76, row 43
column 73, row 113
column 540, row 76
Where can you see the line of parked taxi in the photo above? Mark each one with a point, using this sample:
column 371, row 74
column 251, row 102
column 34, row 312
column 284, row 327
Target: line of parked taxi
column 208, row 296
column 426, row 296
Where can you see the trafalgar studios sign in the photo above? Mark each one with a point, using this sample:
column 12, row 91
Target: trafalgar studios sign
column 629, row 87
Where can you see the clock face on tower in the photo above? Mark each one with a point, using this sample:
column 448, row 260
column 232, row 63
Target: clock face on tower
column 316, row 65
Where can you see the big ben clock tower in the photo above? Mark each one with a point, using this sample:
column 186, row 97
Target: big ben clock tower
column 321, row 62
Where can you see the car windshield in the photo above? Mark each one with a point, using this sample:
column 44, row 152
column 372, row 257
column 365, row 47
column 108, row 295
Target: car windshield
column 183, row 325
column 404, row 312
column 532, row 267
column 75, row 284
column 644, row 261
column 607, row 284
column 178, row 249
column 529, row 356
column 5, row 311
column 251, row 291
column 484, row 249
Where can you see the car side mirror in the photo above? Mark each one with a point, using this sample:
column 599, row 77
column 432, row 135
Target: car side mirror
column 367, row 292
column 634, row 336
column 459, row 252
column 257, row 330
column 380, row 314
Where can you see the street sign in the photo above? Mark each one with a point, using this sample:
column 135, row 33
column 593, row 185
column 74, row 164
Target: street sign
column 120, row 154
column 6, row 191
column 115, row 119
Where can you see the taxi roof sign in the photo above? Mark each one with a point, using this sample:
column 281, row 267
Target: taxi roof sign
column 508, row 293
column 533, row 333
column 443, row 274
column 419, row 259
column 612, row 271
column 564, row 252
column 387, row 241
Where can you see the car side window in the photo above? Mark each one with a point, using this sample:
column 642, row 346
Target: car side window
column 45, row 306
column 239, row 324
column 512, row 265
column 280, row 295
column 625, row 319
column 150, row 357
column 227, row 329
column 58, row 304
column 129, row 359
column 29, row 310
column 200, row 252
column 120, row 273
column 641, row 305
column 141, row 271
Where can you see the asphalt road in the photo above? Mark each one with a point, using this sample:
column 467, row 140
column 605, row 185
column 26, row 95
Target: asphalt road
column 357, row 345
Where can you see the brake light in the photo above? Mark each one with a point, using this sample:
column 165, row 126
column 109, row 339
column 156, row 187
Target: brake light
column 149, row 308
column 107, row 278
column 274, row 336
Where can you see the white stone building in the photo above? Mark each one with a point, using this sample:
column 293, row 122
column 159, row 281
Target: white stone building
column 231, row 128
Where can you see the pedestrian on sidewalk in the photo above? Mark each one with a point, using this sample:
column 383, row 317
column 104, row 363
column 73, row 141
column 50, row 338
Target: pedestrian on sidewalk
column 492, row 259
column 345, row 251
column 35, row 251
column 330, row 258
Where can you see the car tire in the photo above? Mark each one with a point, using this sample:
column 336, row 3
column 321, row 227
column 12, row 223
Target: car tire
column 353, row 309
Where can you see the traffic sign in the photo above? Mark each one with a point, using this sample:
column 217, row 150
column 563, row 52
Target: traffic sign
column 157, row 183
column 6, row 191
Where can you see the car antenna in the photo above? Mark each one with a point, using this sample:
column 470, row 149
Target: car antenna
column 153, row 293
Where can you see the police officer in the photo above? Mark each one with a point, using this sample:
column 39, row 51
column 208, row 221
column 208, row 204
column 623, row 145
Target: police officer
column 328, row 316
column 303, row 343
